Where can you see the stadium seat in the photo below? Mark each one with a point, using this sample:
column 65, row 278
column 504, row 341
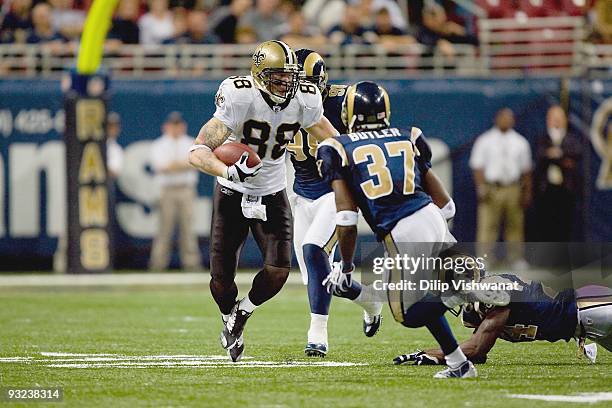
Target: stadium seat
column 539, row 8
column 575, row 7
column 497, row 8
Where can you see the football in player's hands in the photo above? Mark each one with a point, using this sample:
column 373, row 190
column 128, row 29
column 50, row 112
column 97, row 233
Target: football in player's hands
column 229, row 153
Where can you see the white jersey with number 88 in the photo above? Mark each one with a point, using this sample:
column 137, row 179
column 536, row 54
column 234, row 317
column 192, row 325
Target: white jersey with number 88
column 265, row 127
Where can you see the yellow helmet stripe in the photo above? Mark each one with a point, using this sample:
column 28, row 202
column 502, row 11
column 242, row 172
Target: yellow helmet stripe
column 310, row 62
column 387, row 104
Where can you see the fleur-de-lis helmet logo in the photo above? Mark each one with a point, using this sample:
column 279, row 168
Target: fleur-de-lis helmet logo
column 258, row 57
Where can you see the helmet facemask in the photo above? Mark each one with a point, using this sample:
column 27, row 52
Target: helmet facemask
column 280, row 83
column 361, row 123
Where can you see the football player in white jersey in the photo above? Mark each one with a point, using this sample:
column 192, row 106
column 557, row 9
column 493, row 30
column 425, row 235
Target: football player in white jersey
column 263, row 110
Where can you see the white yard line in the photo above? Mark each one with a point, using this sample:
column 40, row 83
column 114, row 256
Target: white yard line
column 15, row 359
column 229, row 365
column 54, row 354
column 124, row 279
column 585, row 397
column 85, row 361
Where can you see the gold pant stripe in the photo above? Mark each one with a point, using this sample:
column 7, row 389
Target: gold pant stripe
column 331, row 243
column 395, row 275
column 587, row 303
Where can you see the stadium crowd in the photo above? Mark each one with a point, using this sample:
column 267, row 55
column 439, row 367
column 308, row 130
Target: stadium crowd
column 302, row 23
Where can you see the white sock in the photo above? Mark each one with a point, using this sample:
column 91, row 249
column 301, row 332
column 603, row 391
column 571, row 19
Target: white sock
column 456, row 358
column 318, row 328
column 367, row 301
column 247, row 305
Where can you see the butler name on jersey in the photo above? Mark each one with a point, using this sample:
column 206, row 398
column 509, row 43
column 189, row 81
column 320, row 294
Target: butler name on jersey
column 266, row 126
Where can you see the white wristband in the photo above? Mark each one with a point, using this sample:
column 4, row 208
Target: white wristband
column 346, row 218
column 448, row 211
column 199, row 146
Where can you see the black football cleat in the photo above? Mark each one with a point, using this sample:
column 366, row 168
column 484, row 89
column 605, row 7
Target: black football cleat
column 316, row 350
column 371, row 324
column 232, row 331
column 237, row 350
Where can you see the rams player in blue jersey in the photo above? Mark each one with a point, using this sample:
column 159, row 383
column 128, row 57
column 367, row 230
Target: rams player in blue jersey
column 535, row 312
column 382, row 171
column 314, row 212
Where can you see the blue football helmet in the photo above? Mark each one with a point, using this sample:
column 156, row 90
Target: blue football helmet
column 366, row 106
column 312, row 68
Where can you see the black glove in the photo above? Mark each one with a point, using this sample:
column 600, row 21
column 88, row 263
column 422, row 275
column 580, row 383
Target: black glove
column 417, row 358
column 239, row 171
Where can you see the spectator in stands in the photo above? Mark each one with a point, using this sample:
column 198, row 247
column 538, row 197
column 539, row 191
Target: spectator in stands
column 197, row 31
column 299, row 34
column 602, row 25
column 124, row 28
column 388, row 34
column 438, row 31
column 350, row 30
column 225, row 20
column 179, row 20
column 286, row 8
column 177, row 180
column 557, row 178
column 157, row 25
column 67, row 20
column 42, row 31
column 501, row 163
column 17, row 22
column 325, row 14
column 264, row 19
column 370, row 8
column 114, row 152
column 184, row 4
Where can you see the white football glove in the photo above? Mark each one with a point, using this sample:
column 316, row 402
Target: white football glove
column 339, row 279
column 239, row 171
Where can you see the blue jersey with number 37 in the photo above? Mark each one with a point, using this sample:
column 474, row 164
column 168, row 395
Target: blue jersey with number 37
column 384, row 170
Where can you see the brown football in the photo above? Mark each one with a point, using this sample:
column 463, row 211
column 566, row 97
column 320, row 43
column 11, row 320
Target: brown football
column 229, row 153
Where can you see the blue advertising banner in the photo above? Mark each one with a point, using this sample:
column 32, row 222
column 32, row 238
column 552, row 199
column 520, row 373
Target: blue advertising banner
column 451, row 113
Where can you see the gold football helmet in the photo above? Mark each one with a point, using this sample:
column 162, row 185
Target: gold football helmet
column 313, row 68
column 275, row 70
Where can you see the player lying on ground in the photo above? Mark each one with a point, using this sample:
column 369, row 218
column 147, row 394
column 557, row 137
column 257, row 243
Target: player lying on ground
column 314, row 232
column 534, row 313
column 381, row 171
column 263, row 110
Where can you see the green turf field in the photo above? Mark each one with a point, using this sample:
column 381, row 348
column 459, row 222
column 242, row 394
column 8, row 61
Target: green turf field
column 129, row 324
